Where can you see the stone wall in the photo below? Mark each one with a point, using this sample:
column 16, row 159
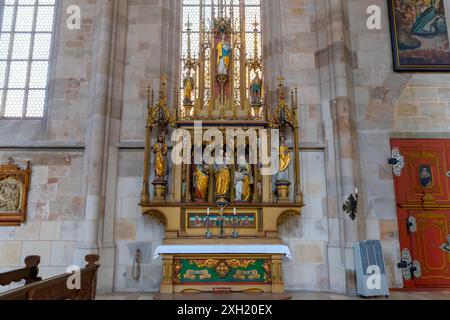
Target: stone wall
column 389, row 105
column 142, row 69
column 55, row 147
column 308, row 235
column 55, row 212
column 133, row 231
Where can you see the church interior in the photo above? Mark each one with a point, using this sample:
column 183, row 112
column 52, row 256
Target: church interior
column 286, row 149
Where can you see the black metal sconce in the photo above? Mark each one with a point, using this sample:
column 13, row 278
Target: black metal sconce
column 351, row 206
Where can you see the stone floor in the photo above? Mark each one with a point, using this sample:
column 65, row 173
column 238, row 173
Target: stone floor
column 397, row 295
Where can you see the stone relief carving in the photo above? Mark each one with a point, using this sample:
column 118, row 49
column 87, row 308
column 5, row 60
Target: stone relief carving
column 10, row 190
column 14, row 185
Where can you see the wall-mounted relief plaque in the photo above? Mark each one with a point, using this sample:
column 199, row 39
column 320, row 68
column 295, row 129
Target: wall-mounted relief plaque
column 14, row 186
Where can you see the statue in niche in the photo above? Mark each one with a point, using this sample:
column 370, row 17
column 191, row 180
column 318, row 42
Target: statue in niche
column 223, row 178
column 256, row 91
column 201, row 182
column 285, row 161
column 244, row 180
column 160, row 150
column 10, row 195
column 223, row 56
column 188, row 87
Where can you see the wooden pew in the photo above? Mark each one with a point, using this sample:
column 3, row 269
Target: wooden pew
column 56, row 288
column 29, row 273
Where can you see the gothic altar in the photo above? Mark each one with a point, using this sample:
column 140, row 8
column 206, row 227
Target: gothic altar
column 222, row 216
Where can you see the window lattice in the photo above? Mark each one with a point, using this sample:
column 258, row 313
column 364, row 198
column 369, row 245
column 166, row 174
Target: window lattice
column 26, row 28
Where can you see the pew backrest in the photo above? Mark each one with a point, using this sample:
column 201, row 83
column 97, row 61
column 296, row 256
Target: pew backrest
column 60, row 287
column 29, row 273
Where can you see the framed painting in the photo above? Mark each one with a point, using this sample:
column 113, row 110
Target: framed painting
column 14, row 186
column 419, row 33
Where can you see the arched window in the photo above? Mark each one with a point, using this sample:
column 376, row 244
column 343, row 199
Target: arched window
column 198, row 18
column 26, row 28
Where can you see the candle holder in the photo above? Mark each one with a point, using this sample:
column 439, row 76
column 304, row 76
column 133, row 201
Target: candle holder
column 208, row 234
column 235, row 233
column 221, row 224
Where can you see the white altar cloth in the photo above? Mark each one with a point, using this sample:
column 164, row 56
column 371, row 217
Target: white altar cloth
column 223, row 249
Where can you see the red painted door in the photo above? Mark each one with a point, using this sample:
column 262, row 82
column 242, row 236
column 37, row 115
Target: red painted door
column 422, row 186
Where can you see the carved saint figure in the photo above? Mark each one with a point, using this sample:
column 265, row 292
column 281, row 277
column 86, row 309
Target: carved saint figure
column 285, row 161
column 10, row 195
column 223, row 178
column 244, row 181
column 160, row 150
column 201, row 182
column 255, row 91
column 188, row 86
column 223, row 56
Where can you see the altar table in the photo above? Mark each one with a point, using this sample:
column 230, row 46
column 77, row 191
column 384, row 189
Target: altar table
column 209, row 268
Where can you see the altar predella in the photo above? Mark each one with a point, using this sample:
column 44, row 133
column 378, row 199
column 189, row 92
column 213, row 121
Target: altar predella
column 228, row 202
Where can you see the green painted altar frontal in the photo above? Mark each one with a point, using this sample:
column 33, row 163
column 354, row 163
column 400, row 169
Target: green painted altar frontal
column 227, row 271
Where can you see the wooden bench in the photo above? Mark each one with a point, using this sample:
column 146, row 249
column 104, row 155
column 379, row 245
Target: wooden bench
column 29, row 273
column 55, row 288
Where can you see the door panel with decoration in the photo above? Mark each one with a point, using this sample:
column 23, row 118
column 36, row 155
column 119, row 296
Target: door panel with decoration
column 422, row 181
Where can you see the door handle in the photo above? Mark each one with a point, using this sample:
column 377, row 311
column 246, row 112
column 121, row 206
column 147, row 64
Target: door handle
column 410, row 269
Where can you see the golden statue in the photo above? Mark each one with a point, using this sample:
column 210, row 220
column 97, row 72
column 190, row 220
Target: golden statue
column 160, row 150
column 256, row 91
column 223, row 179
column 285, row 161
column 188, row 86
column 201, row 182
column 243, row 183
column 223, row 56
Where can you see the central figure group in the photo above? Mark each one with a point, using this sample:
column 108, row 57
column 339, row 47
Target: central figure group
column 243, row 181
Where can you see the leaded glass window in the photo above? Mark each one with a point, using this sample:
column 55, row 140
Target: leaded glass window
column 192, row 12
column 26, row 28
column 198, row 12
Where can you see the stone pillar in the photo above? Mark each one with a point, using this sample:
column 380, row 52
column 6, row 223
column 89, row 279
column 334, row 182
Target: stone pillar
column 335, row 62
column 96, row 156
column 112, row 134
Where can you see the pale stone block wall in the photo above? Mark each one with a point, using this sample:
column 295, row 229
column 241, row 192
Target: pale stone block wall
column 55, row 212
column 133, row 231
column 308, row 236
column 415, row 106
